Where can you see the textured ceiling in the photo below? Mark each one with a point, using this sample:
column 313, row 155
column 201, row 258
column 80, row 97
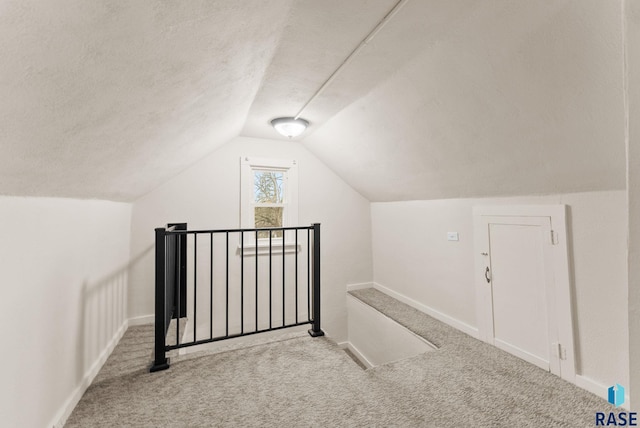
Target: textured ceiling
column 515, row 98
column 105, row 99
column 450, row 99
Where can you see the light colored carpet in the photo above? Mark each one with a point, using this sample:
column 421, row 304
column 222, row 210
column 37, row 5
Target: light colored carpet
column 310, row 382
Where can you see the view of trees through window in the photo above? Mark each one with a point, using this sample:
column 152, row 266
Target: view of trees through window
column 268, row 190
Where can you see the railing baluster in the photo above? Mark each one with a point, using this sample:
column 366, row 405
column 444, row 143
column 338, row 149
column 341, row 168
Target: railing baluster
column 283, row 279
column 296, row 251
column 309, row 274
column 211, row 286
column 270, row 276
column 226, row 311
column 256, row 236
column 241, row 282
column 178, row 284
column 195, row 283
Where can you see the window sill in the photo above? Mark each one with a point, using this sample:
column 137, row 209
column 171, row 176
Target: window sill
column 263, row 248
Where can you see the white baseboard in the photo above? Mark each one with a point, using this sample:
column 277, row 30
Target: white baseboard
column 63, row 414
column 329, row 336
column 591, row 386
column 462, row 326
column 360, row 286
column 141, row 320
column 598, row 389
column 359, row 355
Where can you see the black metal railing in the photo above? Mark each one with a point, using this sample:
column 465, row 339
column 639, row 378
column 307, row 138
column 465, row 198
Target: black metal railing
column 251, row 280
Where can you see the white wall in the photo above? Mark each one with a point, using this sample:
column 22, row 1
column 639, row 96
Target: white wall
column 64, row 279
column 632, row 9
column 412, row 257
column 207, row 196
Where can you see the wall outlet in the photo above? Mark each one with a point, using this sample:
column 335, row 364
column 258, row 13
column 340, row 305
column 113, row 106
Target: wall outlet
column 452, row 236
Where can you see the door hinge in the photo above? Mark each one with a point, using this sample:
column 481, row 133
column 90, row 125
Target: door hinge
column 554, row 237
column 559, row 351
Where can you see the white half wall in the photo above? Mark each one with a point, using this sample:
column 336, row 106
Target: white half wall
column 376, row 339
column 207, row 196
column 413, row 258
column 64, row 278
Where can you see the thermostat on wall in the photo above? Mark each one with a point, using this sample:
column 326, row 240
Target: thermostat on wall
column 452, row 236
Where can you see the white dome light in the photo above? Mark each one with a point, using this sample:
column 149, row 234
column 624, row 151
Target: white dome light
column 289, row 126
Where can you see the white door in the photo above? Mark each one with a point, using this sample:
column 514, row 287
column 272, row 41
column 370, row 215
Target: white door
column 519, row 289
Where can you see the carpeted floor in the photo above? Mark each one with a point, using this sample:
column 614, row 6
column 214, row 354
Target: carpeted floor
column 305, row 382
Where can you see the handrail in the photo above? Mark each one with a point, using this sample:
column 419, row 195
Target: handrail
column 259, row 229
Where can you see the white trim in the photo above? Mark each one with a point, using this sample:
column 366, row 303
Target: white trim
column 328, row 335
column 520, row 210
column 453, row 322
column 72, row 401
column 522, row 354
column 263, row 247
column 142, row 320
column 599, row 389
column 592, row 386
column 267, row 163
column 360, row 286
column 356, row 352
column 346, row 345
column 288, row 166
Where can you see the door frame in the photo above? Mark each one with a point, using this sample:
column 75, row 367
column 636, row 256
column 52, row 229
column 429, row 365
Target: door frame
column 563, row 312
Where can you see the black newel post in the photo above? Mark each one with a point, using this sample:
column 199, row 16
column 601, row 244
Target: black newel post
column 315, row 330
column 160, row 360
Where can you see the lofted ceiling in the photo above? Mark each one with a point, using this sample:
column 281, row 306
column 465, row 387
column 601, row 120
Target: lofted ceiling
column 451, row 98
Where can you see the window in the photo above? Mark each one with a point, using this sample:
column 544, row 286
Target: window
column 268, row 200
column 269, row 196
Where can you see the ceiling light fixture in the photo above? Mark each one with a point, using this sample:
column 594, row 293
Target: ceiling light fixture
column 290, row 126
column 293, row 126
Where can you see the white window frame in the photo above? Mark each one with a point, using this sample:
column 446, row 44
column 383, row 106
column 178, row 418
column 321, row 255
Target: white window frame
column 289, row 167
